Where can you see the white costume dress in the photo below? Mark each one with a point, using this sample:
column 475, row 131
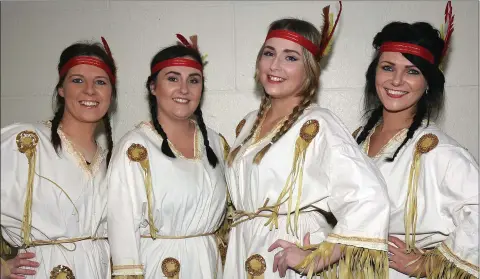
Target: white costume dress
column 67, row 198
column 187, row 204
column 332, row 174
column 446, row 194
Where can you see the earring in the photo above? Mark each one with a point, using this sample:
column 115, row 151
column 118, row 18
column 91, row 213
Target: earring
column 426, row 91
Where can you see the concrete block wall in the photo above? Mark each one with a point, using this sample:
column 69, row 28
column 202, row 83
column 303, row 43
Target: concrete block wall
column 33, row 34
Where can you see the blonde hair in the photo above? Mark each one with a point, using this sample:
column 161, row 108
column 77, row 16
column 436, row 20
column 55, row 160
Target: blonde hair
column 308, row 90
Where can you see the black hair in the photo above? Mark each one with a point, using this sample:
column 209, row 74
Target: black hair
column 430, row 104
column 170, row 52
column 82, row 49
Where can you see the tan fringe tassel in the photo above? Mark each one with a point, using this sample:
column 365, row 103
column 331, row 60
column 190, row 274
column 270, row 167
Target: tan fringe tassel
column 437, row 266
column 424, row 145
column 356, row 262
column 138, row 153
column 27, row 210
column 410, row 213
column 308, row 131
column 148, row 188
column 27, row 144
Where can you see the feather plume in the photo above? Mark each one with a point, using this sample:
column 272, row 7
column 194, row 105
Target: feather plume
column 183, row 40
column 325, row 28
column 447, row 29
column 107, row 48
column 327, row 40
column 194, row 40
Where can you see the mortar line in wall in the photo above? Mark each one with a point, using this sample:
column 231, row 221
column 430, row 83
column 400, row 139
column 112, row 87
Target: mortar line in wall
column 234, row 46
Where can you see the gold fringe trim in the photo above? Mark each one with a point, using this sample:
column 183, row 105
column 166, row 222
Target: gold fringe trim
column 437, row 266
column 308, row 131
column 138, row 153
column 27, row 144
column 356, row 262
column 424, row 145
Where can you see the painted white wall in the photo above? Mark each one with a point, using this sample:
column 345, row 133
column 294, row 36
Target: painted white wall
column 33, row 34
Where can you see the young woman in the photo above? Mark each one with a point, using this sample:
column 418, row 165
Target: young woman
column 53, row 192
column 167, row 191
column 293, row 163
column 432, row 180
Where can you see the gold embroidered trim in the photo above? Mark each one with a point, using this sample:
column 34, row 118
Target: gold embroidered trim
column 239, row 127
column 171, row 267
column 137, row 152
column 226, row 147
column 255, row 265
column 398, row 137
column 256, row 140
column 26, row 141
column 61, row 272
column 427, row 143
column 361, row 239
column 444, row 248
column 197, row 138
column 309, row 130
column 121, row 267
column 97, row 160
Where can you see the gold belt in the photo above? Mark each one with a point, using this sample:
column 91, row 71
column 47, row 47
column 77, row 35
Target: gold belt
column 63, row 241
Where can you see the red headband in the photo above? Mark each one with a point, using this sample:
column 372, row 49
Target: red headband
column 408, row 48
column 177, row 62
column 296, row 38
column 89, row 60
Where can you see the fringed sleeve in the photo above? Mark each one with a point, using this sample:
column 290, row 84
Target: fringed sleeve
column 359, row 201
column 457, row 256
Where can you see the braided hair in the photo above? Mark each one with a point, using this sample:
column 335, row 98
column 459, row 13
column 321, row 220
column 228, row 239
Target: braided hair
column 429, row 105
column 308, row 90
column 82, row 49
column 165, row 54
